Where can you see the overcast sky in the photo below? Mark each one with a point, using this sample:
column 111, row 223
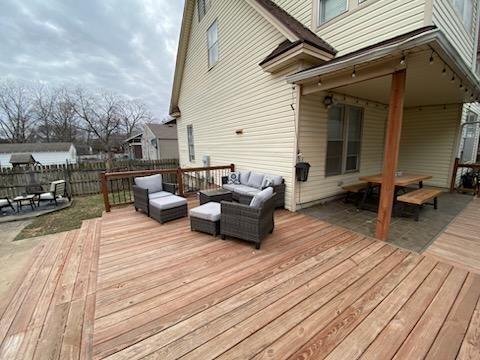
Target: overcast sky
column 127, row 46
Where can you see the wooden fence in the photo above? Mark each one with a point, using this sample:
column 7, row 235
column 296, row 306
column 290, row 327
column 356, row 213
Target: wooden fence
column 82, row 179
column 117, row 186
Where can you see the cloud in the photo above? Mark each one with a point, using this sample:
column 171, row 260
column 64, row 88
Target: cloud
column 124, row 46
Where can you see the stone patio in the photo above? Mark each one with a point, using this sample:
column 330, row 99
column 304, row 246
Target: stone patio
column 405, row 232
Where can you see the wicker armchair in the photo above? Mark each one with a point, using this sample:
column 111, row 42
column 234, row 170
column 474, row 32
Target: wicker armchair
column 141, row 196
column 247, row 223
column 279, row 191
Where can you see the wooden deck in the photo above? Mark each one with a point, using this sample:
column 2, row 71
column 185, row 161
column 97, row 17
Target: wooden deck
column 126, row 287
column 459, row 244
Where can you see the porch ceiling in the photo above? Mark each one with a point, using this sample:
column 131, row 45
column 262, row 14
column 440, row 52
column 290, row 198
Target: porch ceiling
column 426, row 85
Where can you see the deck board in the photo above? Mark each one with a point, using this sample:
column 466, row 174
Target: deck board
column 459, row 244
column 126, row 287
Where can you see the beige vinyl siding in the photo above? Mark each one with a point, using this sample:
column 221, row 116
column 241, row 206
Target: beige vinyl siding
column 168, row 149
column 429, row 142
column 236, row 94
column 446, row 18
column 313, row 140
column 370, row 23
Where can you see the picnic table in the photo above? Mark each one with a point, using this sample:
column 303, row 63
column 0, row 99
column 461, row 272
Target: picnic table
column 401, row 181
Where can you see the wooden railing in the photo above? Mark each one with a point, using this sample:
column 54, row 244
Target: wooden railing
column 117, row 187
column 462, row 167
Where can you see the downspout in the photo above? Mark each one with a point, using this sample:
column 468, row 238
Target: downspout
column 297, row 90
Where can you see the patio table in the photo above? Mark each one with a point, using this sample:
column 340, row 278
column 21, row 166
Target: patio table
column 24, row 198
column 401, row 181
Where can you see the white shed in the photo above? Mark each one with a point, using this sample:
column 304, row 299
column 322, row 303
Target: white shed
column 43, row 153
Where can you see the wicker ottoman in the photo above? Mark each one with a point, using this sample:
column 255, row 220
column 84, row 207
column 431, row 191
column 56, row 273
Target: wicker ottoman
column 168, row 208
column 206, row 218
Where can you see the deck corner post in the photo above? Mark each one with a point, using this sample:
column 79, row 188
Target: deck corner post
column 392, row 146
column 454, row 174
column 104, row 190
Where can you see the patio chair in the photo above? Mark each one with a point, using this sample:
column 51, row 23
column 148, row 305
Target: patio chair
column 148, row 188
column 5, row 202
column 248, row 222
column 57, row 189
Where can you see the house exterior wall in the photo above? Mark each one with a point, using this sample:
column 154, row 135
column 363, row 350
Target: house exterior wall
column 429, row 142
column 45, row 158
column 465, row 41
column 236, row 94
column 313, row 143
column 168, row 149
column 376, row 20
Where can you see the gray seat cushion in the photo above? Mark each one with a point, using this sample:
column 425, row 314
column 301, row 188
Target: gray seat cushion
column 274, row 179
column 255, row 180
column 168, row 202
column 241, row 189
column 159, row 194
column 244, row 176
column 4, row 202
column 259, row 199
column 210, row 211
column 153, row 183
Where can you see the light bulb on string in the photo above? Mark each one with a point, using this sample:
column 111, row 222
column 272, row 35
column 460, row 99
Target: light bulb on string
column 431, row 60
column 354, row 73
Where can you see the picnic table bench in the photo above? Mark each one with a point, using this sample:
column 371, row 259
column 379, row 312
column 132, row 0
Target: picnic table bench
column 419, row 198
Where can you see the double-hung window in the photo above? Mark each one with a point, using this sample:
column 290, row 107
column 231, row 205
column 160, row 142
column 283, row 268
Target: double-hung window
column 203, row 6
column 344, row 139
column 465, row 10
column 328, row 9
column 212, row 40
column 191, row 147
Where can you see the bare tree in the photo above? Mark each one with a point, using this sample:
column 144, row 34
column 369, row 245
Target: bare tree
column 44, row 103
column 16, row 112
column 133, row 113
column 99, row 114
column 65, row 120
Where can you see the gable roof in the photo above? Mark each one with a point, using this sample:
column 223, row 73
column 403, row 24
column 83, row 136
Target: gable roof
column 22, row 158
column 301, row 32
column 34, row 147
column 163, row 131
column 291, row 28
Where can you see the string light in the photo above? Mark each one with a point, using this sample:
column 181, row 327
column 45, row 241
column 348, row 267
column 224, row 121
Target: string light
column 453, row 78
column 319, row 81
column 460, row 86
column 354, row 73
column 444, row 71
column 431, row 58
column 402, row 61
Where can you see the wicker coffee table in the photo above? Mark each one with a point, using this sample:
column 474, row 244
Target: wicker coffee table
column 217, row 195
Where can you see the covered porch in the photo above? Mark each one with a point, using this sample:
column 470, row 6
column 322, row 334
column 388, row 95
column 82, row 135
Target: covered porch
column 394, row 108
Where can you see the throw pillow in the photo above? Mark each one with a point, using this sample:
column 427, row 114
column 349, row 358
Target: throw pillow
column 234, row 178
column 259, row 199
column 267, row 181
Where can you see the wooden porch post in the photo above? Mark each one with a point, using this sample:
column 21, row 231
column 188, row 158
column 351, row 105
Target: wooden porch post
column 392, row 145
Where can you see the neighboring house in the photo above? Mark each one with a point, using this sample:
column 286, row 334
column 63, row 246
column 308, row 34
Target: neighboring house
column 264, row 84
column 133, row 147
column 84, row 152
column 470, row 134
column 159, row 141
column 43, row 153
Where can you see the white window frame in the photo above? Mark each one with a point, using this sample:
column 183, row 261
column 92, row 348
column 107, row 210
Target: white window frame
column 212, row 46
column 319, row 15
column 190, row 143
column 345, row 119
column 202, row 8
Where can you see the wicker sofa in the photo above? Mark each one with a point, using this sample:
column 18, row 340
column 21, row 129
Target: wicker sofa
column 157, row 199
column 251, row 183
column 246, row 222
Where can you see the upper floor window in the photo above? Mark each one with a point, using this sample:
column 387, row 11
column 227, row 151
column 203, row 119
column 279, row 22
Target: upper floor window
column 328, row 9
column 465, row 10
column 191, row 146
column 212, row 36
column 203, row 6
column 344, row 139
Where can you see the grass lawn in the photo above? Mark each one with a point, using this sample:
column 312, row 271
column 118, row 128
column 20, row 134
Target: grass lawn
column 83, row 208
